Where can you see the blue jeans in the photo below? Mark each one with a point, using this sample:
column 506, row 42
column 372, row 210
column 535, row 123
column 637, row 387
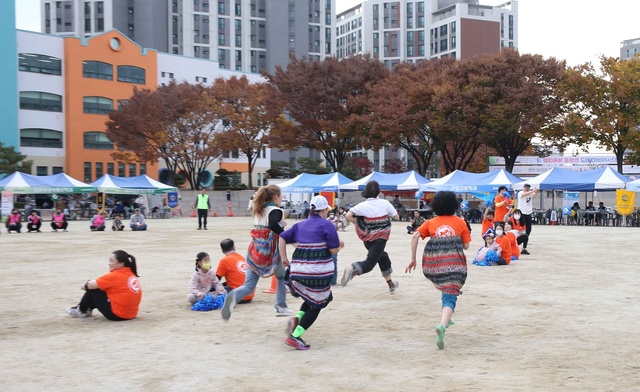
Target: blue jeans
column 449, row 300
column 251, row 280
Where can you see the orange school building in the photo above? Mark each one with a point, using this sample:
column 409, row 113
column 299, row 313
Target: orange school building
column 101, row 73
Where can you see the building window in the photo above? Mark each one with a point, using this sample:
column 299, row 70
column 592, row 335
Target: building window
column 36, row 100
column 453, row 27
column 221, row 7
column 131, row 74
column 97, row 70
column 221, row 23
column 238, row 10
column 110, row 169
column 409, row 22
column 122, row 103
column 443, row 45
column 221, row 55
column 99, row 169
column 42, row 171
column 100, row 25
column 143, row 168
column 421, row 35
column 38, row 63
column 97, row 105
column 443, row 30
column 87, row 172
column 420, row 21
column 409, row 36
column 36, row 137
column 238, row 23
column 132, row 170
column 453, row 42
column 410, row 50
column 97, row 141
column 221, row 39
column 121, row 172
column 57, row 170
column 420, row 50
column 100, row 7
column 421, row 6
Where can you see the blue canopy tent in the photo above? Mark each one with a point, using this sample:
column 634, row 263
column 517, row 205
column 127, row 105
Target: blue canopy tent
column 408, row 181
column 314, row 183
column 21, row 183
column 131, row 185
column 461, row 182
column 600, row 179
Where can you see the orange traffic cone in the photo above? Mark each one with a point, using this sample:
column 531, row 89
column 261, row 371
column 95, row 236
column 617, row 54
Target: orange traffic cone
column 274, row 285
column 215, row 213
column 230, row 213
column 193, row 213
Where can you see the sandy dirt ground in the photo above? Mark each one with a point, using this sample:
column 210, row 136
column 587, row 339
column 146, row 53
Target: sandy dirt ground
column 565, row 318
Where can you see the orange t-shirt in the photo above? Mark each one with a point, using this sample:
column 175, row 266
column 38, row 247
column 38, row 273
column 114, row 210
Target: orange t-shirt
column 516, row 225
column 505, row 244
column 486, row 225
column 515, row 249
column 232, row 267
column 123, row 290
column 501, row 211
column 444, row 226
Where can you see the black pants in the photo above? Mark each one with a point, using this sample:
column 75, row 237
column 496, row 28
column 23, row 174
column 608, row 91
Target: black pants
column 97, row 299
column 202, row 215
column 15, row 227
column 524, row 240
column 54, row 226
column 528, row 221
column 376, row 255
column 34, row 226
column 310, row 316
column 96, row 228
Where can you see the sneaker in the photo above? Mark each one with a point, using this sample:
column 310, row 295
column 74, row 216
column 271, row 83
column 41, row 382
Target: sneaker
column 206, row 228
column 229, row 304
column 65, row 230
column 440, row 339
column 199, row 228
column 393, row 289
column 347, row 276
column 525, row 252
column 292, row 323
column 282, row 312
column 296, row 343
column 74, row 311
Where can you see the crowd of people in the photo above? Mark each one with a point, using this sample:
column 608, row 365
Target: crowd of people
column 310, row 272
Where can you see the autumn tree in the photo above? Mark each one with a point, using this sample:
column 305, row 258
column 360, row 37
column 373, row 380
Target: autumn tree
column 12, row 161
column 395, row 166
column 251, row 111
column 605, row 106
column 326, row 100
column 518, row 97
column 400, row 110
column 173, row 123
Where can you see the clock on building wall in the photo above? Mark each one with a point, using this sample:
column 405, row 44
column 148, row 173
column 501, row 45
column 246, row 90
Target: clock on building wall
column 114, row 43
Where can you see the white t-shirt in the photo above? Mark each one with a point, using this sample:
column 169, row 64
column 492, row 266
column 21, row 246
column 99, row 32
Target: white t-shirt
column 374, row 207
column 525, row 203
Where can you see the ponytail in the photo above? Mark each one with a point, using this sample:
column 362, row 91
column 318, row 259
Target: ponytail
column 128, row 260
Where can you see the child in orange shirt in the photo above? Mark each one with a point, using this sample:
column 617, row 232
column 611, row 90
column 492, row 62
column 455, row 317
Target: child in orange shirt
column 511, row 235
column 505, row 244
column 487, row 221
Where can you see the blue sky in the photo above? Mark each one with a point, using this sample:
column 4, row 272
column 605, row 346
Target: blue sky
column 574, row 30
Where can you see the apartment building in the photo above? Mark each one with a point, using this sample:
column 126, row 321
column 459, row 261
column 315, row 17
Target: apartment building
column 242, row 35
column 409, row 30
column 629, row 48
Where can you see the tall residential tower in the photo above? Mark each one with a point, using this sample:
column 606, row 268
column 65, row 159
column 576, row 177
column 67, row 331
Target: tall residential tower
column 242, row 35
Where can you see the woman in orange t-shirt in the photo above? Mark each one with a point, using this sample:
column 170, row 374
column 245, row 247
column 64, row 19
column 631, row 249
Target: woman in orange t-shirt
column 443, row 261
column 116, row 294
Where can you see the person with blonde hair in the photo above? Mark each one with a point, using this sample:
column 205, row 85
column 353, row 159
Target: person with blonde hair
column 263, row 257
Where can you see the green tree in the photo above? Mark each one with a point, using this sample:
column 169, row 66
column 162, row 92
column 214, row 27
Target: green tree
column 312, row 166
column 12, row 161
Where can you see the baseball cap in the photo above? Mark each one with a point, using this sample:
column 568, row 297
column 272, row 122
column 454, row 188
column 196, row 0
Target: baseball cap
column 319, row 203
column 527, row 185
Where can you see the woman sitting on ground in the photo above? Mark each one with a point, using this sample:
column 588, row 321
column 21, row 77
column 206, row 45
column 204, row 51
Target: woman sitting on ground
column 116, row 294
column 416, row 221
